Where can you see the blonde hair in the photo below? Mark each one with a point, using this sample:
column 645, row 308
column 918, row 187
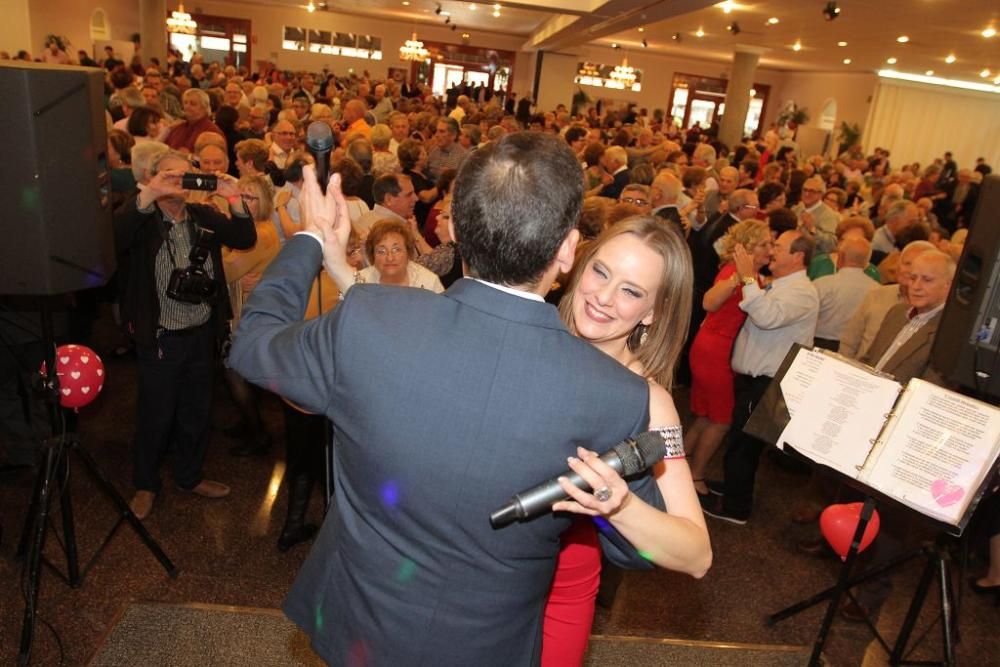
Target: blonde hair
column 261, row 186
column 747, row 233
column 664, row 338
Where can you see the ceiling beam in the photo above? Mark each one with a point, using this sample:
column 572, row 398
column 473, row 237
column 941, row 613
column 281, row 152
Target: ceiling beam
column 613, row 16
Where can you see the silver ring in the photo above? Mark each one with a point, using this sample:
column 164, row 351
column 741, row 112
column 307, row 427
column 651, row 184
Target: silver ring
column 603, row 494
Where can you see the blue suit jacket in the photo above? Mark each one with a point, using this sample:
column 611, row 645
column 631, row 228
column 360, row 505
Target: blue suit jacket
column 444, row 406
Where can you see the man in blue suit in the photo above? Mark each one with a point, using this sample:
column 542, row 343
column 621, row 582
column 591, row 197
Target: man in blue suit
column 444, row 406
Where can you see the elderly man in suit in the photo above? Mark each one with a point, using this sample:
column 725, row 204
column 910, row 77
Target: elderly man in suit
column 444, row 405
column 815, row 217
column 903, row 344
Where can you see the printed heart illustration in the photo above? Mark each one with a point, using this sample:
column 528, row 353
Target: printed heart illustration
column 100, row 372
column 64, row 360
column 85, row 359
column 946, row 493
column 85, row 390
column 66, row 391
column 75, row 375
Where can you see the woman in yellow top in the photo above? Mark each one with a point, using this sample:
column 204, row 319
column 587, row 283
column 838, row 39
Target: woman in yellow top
column 244, row 269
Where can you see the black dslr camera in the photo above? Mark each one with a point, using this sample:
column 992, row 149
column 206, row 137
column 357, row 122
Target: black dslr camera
column 192, row 284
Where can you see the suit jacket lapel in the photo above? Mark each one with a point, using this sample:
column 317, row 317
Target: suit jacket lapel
column 914, row 346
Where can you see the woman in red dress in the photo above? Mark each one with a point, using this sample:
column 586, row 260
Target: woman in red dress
column 744, row 251
column 629, row 295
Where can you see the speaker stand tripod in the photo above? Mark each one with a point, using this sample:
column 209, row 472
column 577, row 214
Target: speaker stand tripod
column 55, row 470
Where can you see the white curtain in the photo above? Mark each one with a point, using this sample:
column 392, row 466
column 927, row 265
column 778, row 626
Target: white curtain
column 918, row 122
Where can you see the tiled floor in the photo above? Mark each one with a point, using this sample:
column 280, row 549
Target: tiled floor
column 225, row 551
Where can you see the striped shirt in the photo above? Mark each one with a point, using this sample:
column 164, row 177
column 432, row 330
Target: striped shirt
column 174, row 252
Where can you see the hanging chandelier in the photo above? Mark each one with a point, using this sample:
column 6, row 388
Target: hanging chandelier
column 413, row 49
column 623, row 74
column 181, row 22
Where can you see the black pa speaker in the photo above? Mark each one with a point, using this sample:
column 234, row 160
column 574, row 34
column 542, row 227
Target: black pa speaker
column 54, row 181
column 967, row 347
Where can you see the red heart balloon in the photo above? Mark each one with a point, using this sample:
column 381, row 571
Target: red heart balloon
column 838, row 524
column 81, row 375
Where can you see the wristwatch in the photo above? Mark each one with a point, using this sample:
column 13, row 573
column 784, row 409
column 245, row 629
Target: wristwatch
column 749, row 280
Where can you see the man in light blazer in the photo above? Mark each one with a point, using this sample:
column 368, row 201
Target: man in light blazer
column 903, row 344
column 444, row 406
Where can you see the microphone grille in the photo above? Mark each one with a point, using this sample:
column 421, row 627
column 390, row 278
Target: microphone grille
column 639, row 454
column 319, row 136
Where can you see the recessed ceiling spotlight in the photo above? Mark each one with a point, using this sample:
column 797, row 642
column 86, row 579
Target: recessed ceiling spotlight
column 985, row 73
column 466, row 35
column 891, row 61
column 989, row 32
column 997, row 80
column 841, row 43
column 773, row 20
column 406, row 3
column 614, row 45
column 734, row 28
column 797, row 46
column 497, row 6
column 847, row 61
column 676, row 37
column 951, row 58
column 310, row 7
column 831, row 11
column 727, row 6
column 929, row 72
column 472, row 8
column 700, row 33
column 642, row 30
column 496, row 13
column 902, row 39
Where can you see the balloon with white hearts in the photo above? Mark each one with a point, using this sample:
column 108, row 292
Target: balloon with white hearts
column 80, row 373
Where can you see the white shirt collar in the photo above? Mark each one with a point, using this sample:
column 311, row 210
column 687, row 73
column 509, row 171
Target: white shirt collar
column 512, row 290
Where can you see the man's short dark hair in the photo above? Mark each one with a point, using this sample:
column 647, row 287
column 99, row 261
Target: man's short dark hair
column 515, row 200
column 360, row 150
column 384, row 186
column 782, row 220
column 806, row 245
column 575, row 133
column 452, row 124
column 768, row 192
column 750, row 167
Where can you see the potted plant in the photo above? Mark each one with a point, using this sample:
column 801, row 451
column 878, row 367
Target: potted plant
column 848, row 134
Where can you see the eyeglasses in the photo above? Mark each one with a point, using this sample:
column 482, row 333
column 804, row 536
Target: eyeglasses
column 382, row 251
column 635, row 200
column 812, row 191
column 750, row 206
column 250, row 197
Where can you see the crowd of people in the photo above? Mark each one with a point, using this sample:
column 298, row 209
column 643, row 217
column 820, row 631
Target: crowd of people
column 681, row 260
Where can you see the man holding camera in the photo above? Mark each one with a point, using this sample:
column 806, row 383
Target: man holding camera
column 174, row 302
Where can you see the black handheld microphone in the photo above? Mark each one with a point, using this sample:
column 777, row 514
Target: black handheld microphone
column 626, row 458
column 319, row 141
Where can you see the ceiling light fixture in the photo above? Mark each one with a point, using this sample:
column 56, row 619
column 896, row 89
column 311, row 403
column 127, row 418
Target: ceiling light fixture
column 773, row 20
column 891, row 61
column 989, row 32
column 406, row 3
column 181, row 22
column 831, row 11
column 700, row 33
column 951, row 58
column 797, row 46
column 985, row 73
column 413, row 50
column 938, row 81
column 472, row 8
column 445, row 13
column 929, row 72
column 677, row 37
column 310, row 7
column 466, row 35
column 734, row 28
column 902, row 39
column 841, row 43
column 847, row 61
column 645, row 44
column 496, row 13
column 727, row 6
column 642, row 30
